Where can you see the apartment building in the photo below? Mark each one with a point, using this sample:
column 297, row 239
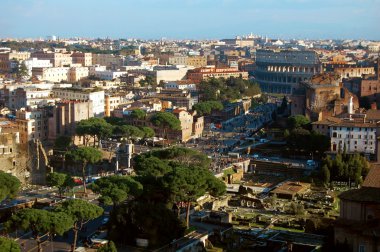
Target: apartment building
column 7, row 91
column 88, row 94
column 355, row 135
column 109, row 74
column 32, row 124
column 170, row 73
column 77, row 73
column 194, row 61
column 178, row 98
column 85, row 59
column 178, row 60
column 109, row 60
column 112, row 102
column 197, row 61
column 52, row 74
column 36, row 63
column 59, row 58
column 27, row 97
column 6, row 59
column 183, row 85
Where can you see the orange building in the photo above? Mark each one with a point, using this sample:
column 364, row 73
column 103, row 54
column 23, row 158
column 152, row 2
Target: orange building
column 204, row 73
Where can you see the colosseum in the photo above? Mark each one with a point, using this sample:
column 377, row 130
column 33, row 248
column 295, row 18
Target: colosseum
column 280, row 71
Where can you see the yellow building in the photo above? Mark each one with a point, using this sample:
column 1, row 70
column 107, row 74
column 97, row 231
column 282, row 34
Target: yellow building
column 197, row 61
column 111, row 103
column 8, row 57
column 109, row 60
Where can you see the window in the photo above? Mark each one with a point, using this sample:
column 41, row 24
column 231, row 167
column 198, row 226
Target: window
column 361, row 248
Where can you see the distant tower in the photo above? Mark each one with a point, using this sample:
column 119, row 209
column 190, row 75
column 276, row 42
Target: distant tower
column 350, row 106
column 129, row 149
column 140, row 49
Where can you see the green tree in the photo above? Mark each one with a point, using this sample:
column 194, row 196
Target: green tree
column 9, row 186
column 347, row 167
column 140, row 219
column 325, row 174
column 115, row 189
column 81, row 212
column 188, row 184
column 166, row 121
column 284, row 105
column 206, row 108
column 297, row 208
column 98, row 128
column 22, row 71
column 63, row 142
column 109, row 247
column 128, row 131
column 138, row 114
column 40, row 222
column 252, row 89
column 148, row 132
column 60, row 180
column 184, row 156
column 286, row 133
column 9, row 245
column 299, row 139
column 115, row 121
column 297, row 121
column 151, row 166
column 227, row 89
column 84, row 155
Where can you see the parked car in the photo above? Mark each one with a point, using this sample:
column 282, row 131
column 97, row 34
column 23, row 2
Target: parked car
column 310, row 163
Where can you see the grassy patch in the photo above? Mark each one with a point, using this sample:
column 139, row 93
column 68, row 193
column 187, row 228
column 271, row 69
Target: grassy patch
column 229, row 171
column 190, row 229
column 287, row 229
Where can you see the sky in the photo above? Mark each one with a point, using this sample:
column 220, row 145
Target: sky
column 191, row 19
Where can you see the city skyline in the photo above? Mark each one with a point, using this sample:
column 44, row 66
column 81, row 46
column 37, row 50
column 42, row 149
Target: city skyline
column 192, row 19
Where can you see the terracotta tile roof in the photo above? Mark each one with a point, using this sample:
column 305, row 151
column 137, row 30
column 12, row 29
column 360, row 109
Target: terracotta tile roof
column 291, row 188
column 373, row 178
column 373, row 114
column 364, row 194
column 177, row 111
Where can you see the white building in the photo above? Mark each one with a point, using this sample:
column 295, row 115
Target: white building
column 32, row 124
column 170, row 73
column 27, row 97
column 94, row 95
column 34, row 62
column 77, row 73
column 53, row 74
column 353, row 136
column 183, row 85
column 108, row 74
